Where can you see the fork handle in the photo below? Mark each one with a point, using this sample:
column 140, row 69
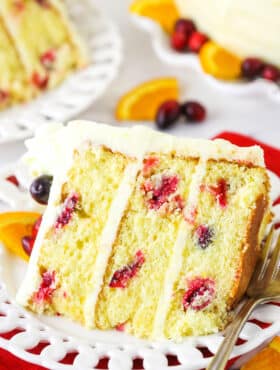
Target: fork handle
column 221, row 358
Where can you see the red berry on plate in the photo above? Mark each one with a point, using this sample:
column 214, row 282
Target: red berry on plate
column 36, row 227
column 193, row 111
column 271, row 73
column 196, row 40
column 13, row 180
column 252, row 68
column 179, row 41
column 167, row 114
column 27, row 244
column 184, row 25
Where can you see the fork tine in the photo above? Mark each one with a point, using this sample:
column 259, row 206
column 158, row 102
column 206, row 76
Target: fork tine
column 276, row 256
column 273, row 263
column 262, row 263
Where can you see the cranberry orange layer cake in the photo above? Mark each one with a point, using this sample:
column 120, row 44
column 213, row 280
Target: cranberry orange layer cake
column 45, row 43
column 143, row 231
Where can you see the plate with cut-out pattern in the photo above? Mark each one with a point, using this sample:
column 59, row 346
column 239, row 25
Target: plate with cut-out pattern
column 57, row 343
column 81, row 88
column 161, row 44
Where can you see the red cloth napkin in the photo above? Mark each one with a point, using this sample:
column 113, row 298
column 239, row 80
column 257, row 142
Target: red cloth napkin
column 272, row 160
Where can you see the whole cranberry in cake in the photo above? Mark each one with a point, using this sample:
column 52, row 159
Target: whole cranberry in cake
column 69, row 207
column 186, row 26
column 46, row 289
column 204, row 235
column 219, row 191
column 167, row 114
column 200, row 293
column 193, row 111
column 48, row 58
column 41, row 82
column 252, row 68
column 179, row 41
column 40, row 189
column 196, row 41
column 271, row 73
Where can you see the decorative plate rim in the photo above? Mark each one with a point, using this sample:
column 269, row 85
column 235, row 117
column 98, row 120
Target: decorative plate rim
column 120, row 348
column 80, row 89
column 161, row 46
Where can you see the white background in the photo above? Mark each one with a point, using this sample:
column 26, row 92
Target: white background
column 254, row 115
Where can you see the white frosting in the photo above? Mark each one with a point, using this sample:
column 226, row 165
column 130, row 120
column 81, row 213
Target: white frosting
column 51, row 151
column 245, row 27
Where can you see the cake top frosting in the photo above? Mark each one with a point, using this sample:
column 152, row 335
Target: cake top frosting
column 54, row 144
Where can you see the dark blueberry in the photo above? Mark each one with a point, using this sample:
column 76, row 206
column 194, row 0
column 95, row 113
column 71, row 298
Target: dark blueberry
column 167, row 114
column 40, row 189
column 204, row 236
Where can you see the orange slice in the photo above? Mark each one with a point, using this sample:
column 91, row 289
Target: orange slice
column 13, row 227
column 218, row 62
column 163, row 12
column 142, row 102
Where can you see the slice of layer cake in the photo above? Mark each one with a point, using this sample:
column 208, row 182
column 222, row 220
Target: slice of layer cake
column 154, row 233
column 47, row 43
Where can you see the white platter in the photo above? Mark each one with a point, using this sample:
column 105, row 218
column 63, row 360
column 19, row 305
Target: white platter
column 80, row 89
column 161, row 44
column 61, row 337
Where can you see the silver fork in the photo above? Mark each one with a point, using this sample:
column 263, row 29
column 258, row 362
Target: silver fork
column 264, row 287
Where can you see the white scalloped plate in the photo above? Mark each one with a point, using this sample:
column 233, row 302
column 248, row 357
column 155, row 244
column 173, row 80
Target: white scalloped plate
column 80, row 89
column 161, row 44
column 60, row 337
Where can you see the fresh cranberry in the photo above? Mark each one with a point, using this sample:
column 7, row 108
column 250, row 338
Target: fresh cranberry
column 193, row 111
column 199, row 294
column 122, row 277
column 36, row 227
column 149, row 164
column 120, row 327
column 40, row 189
column 27, row 244
column 48, row 58
column 219, row 191
column 167, row 114
column 46, row 288
column 4, row 95
column 13, row 180
column 179, row 41
column 271, row 73
column 204, row 236
column 184, row 25
column 159, row 193
column 252, row 68
column 69, row 207
column 196, row 40
column 40, row 81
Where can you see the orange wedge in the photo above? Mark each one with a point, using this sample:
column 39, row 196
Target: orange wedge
column 267, row 359
column 142, row 102
column 218, row 62
column 163, row 12
column 13, row 227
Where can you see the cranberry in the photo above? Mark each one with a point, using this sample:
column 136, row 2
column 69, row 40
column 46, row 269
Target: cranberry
column 13, row 180
column 48, row 58
column 271, row 73
column 219, row 191
column 122, row 277
column 40, row 81
column 193, row 111
column 40, row 189
column 27, row 244
column 149, row 164
column 184, row 25
column 4, row 95
column 252, row 68
column 120, row 327
column 199, row 294
column 167, row 114
column 160, row 192
column 36, row 227
column 46, row 288
column 69, row 207
column 179, row 41
column 204, row 236
column 196, row 40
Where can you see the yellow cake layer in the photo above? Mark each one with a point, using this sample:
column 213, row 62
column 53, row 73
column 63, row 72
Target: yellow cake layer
column 71, row 252
column 43, row 40
column 221, row 260
column 143, row 229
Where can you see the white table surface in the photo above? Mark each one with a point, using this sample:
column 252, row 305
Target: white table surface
column 254, row 115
